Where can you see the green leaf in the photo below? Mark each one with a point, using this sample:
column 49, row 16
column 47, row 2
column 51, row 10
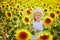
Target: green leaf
column 33, row 32
column 58, row 33
column 12, row 34
column 9, row 28
column 54, row 38
column 14, row 18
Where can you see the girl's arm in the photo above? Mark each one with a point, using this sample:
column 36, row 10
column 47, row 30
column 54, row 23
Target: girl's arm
column 37, row 31
column 43, row 26
column 31, row 28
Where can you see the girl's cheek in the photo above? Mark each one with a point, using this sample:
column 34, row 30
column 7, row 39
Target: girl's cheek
column 40, row 16
column 35, row 16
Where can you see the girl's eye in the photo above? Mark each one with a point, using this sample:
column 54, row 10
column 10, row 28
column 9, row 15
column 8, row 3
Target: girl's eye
column 36, row 15
column 39, row 15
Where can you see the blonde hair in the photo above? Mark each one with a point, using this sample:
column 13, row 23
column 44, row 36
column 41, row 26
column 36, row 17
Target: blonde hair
column 37, row 10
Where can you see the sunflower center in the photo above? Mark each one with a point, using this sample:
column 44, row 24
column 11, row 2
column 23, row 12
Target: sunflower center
column 23, row 35
column 12, row 2
column 21, row 13
column 50, row 7
column 10, row 8
column 52, row 15
column 44, row 4
column 2, row 3
column 44, row 37
column 9, row 14
column 6, row 5
column 18, row 6
column 3, row 6
column 28, row 6
column 28, row 11
column 57, row 12
column 16, row 9
column 45, row 10
column 26, row 19
column 59, row 7
column 21, row 9
column 47, row 20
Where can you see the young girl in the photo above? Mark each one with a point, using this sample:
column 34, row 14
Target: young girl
column 37, row 23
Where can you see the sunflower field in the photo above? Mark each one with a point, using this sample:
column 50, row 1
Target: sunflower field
column 16, row 19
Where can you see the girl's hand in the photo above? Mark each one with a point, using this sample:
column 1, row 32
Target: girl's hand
column 31, row 28
column 37, row 31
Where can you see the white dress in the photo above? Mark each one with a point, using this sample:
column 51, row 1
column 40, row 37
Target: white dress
column 37, row 26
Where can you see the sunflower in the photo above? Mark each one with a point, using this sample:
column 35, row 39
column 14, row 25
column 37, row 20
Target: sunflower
column 7, row 5
column 12, row 3
column 15, row 10
column 59, row 7
column 45, row 36
column 24, row 5
column 18, row 1
column 52, row 15
column 3, row 5
column 44, row 4
column 20, row 13
column 45, row 10
column 0, row 8
column 18, row 6
column 26, row 19
column 22, row 9
column 58, row 11
column 50, row 7
column 36, row 5
column 8, row 14
column 23, row 34
column 47, row 21
column 3, row 2
column 29, row 6
column 27, row 0
column 28, row 12
column 10, row 8
column 10, row 0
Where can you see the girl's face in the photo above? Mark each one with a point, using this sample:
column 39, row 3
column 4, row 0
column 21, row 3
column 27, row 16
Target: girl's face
column 38, row 15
